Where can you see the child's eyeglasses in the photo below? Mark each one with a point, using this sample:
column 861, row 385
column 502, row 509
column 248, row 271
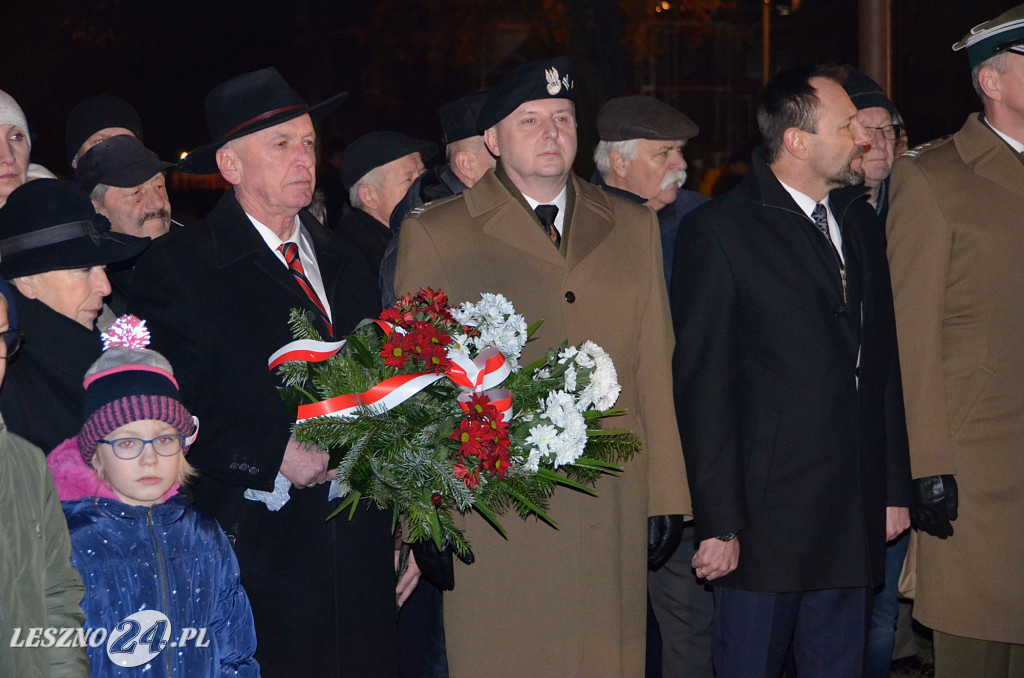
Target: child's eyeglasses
column 166, row 445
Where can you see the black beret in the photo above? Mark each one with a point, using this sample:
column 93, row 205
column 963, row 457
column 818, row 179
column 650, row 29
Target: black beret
column 458, row 118
column 865, row 92
column 379, row 148
column 92, row 115
column 121, row 161
column 643, row 117
column 548, row 79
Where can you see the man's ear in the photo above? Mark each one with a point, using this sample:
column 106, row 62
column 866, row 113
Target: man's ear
column 368, row 196
column 618, row 164
column 991, row 83
column 465, row 162
column 26, row 284
column 491, row 141
column 794, row 140
column 229, row 165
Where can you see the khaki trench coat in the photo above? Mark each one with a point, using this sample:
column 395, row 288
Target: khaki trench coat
column 956, row 252
column 567, row 602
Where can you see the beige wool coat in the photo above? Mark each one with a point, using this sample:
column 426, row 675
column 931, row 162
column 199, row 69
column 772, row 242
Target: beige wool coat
column 569, row 602
column 956, row 252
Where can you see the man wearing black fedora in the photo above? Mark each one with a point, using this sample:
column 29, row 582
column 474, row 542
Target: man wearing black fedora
column 218, row 297
column 53, row 249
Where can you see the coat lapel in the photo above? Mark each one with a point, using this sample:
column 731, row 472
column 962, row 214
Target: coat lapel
column 592, row 222
column 799, row 235
column 991, row 157
column 236, row 239
column 508, row 221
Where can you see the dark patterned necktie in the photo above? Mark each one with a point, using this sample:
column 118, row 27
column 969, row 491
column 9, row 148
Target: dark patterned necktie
column 547, row 214
column 820, row 218
column 290, row 251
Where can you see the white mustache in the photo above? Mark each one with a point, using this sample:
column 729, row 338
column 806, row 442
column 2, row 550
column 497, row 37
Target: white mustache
column 677, row 178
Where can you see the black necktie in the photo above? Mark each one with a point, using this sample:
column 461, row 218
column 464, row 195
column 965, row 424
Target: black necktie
column 547, row 214
column 820, row 218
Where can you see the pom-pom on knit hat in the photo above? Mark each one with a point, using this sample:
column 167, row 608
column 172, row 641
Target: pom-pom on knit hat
column 129, row 382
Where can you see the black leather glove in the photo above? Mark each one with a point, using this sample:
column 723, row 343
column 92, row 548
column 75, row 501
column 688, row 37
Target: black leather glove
column 437, row 567
column 935, row 505
column 663, row 536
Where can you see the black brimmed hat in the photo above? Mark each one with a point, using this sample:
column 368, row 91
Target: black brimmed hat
column 1005, row 33
column 548, row 79
column 249, row 103
column 643, row 117
column 119, row 161
column 50, row 225
column 379, row 148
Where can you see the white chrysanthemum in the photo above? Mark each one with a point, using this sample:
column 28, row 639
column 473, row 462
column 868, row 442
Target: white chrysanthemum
column 466, row 314
column 542, row 373
column 539, row 444
column 570, row 379
column 494, row 306
column 461, row 345
column 567, row 353
column 559, row 407
column 571, row 441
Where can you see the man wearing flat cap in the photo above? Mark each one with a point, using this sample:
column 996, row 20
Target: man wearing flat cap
column 467, row 160
column 589, row 265
column 640, row 156
column 377, row 170
column 217, row 297
column 125, row 181
column 956, row 243
column 53, row 250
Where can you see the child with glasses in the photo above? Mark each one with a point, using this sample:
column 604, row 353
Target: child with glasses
column 145, row 554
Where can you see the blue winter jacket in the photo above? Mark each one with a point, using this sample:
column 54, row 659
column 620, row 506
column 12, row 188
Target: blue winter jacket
column 168, row 558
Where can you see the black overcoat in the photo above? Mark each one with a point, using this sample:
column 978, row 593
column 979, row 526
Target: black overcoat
column 787, row 387
column 217, row 301
column 42, row 394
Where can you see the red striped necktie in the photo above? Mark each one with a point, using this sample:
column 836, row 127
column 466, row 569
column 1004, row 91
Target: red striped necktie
column 290, row 251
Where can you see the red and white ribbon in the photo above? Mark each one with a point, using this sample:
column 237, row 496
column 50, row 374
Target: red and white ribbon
column 476, row 375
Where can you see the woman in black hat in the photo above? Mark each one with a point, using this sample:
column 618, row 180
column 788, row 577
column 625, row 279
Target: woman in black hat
column 53, row 250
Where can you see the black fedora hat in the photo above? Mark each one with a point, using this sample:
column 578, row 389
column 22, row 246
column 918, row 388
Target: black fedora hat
column 50, row 225
column 249, row 103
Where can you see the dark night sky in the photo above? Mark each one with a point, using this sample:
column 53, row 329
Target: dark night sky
column 165, row 56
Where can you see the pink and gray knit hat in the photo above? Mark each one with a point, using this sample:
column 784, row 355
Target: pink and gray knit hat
column 129, row 382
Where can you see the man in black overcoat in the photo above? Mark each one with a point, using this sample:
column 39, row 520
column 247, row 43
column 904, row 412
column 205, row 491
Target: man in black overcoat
column 218, row 297
column 787, row 391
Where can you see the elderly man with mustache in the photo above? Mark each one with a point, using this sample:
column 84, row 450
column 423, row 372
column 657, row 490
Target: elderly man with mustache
column 640, row 157
column 125, row 181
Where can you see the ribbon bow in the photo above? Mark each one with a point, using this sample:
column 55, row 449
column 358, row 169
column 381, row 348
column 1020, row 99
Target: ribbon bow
column 473, row 375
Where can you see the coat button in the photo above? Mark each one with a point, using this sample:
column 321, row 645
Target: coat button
column 243, row 467
column 233, row 465
column 839, row 311
column 570, row 297
column 253, row 470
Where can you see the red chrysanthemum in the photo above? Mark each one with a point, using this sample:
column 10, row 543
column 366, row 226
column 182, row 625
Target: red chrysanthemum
column 498, row 461
column 467, row 476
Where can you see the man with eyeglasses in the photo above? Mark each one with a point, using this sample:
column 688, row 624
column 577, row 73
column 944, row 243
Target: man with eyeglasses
column 876, row 113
